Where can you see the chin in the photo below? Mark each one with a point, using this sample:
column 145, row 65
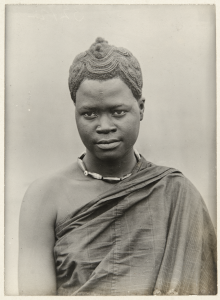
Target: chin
column 111, row 155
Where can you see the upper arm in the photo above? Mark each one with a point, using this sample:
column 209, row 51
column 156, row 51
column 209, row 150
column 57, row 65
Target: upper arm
column 37, row 275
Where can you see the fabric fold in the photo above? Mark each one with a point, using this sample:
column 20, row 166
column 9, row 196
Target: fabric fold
column 149, row 234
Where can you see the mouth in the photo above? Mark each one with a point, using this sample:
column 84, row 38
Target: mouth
column 108, row 144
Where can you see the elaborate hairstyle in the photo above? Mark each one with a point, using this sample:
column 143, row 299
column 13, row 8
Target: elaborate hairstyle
column 103, row 61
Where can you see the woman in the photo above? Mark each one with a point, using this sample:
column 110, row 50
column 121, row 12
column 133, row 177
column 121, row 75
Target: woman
column 113, row 223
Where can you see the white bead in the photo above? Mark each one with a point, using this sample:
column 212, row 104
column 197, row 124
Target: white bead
column 97, row 176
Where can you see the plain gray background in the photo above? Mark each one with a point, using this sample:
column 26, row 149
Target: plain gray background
column 175, row 45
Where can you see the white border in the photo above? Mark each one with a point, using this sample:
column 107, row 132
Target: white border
column 2, row 96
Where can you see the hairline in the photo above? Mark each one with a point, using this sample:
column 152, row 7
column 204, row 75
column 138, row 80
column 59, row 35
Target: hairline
column 106, row 79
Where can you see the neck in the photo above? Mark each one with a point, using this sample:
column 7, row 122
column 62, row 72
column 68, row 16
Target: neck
column 118, row 167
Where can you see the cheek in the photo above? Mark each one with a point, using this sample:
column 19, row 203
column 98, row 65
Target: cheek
column 85, row 135
column 133, row 124
column 83, row 129
column 84, row 132
column 131, row 130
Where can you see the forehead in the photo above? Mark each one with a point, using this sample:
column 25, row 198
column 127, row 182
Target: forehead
column 107, row 91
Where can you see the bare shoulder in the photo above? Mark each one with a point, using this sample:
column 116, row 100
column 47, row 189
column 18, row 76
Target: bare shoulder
column 45, row 193
column 53, row 182
column 61, row 193
column 37, row 275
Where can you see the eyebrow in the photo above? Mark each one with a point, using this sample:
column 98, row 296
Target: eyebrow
column 95, row 107
column 118, row 105
column 88, row 107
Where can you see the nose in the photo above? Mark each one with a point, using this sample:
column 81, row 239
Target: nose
column 105, row 125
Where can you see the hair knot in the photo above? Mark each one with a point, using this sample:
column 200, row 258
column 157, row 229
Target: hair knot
column 100, row 40
column 103, row 61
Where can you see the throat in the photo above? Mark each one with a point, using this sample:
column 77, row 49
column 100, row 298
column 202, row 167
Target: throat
column 100, row 169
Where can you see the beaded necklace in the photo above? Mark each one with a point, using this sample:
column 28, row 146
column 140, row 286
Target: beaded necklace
column 100, row 177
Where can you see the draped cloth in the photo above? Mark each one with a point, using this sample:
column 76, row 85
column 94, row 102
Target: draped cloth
column 149, row 234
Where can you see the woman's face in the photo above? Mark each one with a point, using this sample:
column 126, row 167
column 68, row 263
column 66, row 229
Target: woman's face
column 108, row 117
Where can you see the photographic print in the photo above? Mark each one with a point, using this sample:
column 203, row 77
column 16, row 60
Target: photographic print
column 110, row 150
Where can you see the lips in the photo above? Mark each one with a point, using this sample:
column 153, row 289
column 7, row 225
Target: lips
column 107, row 141
column 108, row 144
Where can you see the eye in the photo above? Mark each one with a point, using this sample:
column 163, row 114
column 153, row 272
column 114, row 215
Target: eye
column 90, row 115
column 118, row 113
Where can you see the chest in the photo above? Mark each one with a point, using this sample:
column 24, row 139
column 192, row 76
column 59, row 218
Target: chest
column 78, row 193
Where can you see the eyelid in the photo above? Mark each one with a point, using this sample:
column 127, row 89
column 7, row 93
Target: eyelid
column 89, row 115
column 94, row 114
column 122, row 112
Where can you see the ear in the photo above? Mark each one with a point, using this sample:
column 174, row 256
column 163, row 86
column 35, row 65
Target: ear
column 141, row 103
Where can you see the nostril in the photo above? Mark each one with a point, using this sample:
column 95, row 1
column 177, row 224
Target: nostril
column 105, row 130
column 105, row 125
column 101, row 129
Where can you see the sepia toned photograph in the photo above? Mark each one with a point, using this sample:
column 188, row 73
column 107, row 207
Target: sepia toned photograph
column 110, row 150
